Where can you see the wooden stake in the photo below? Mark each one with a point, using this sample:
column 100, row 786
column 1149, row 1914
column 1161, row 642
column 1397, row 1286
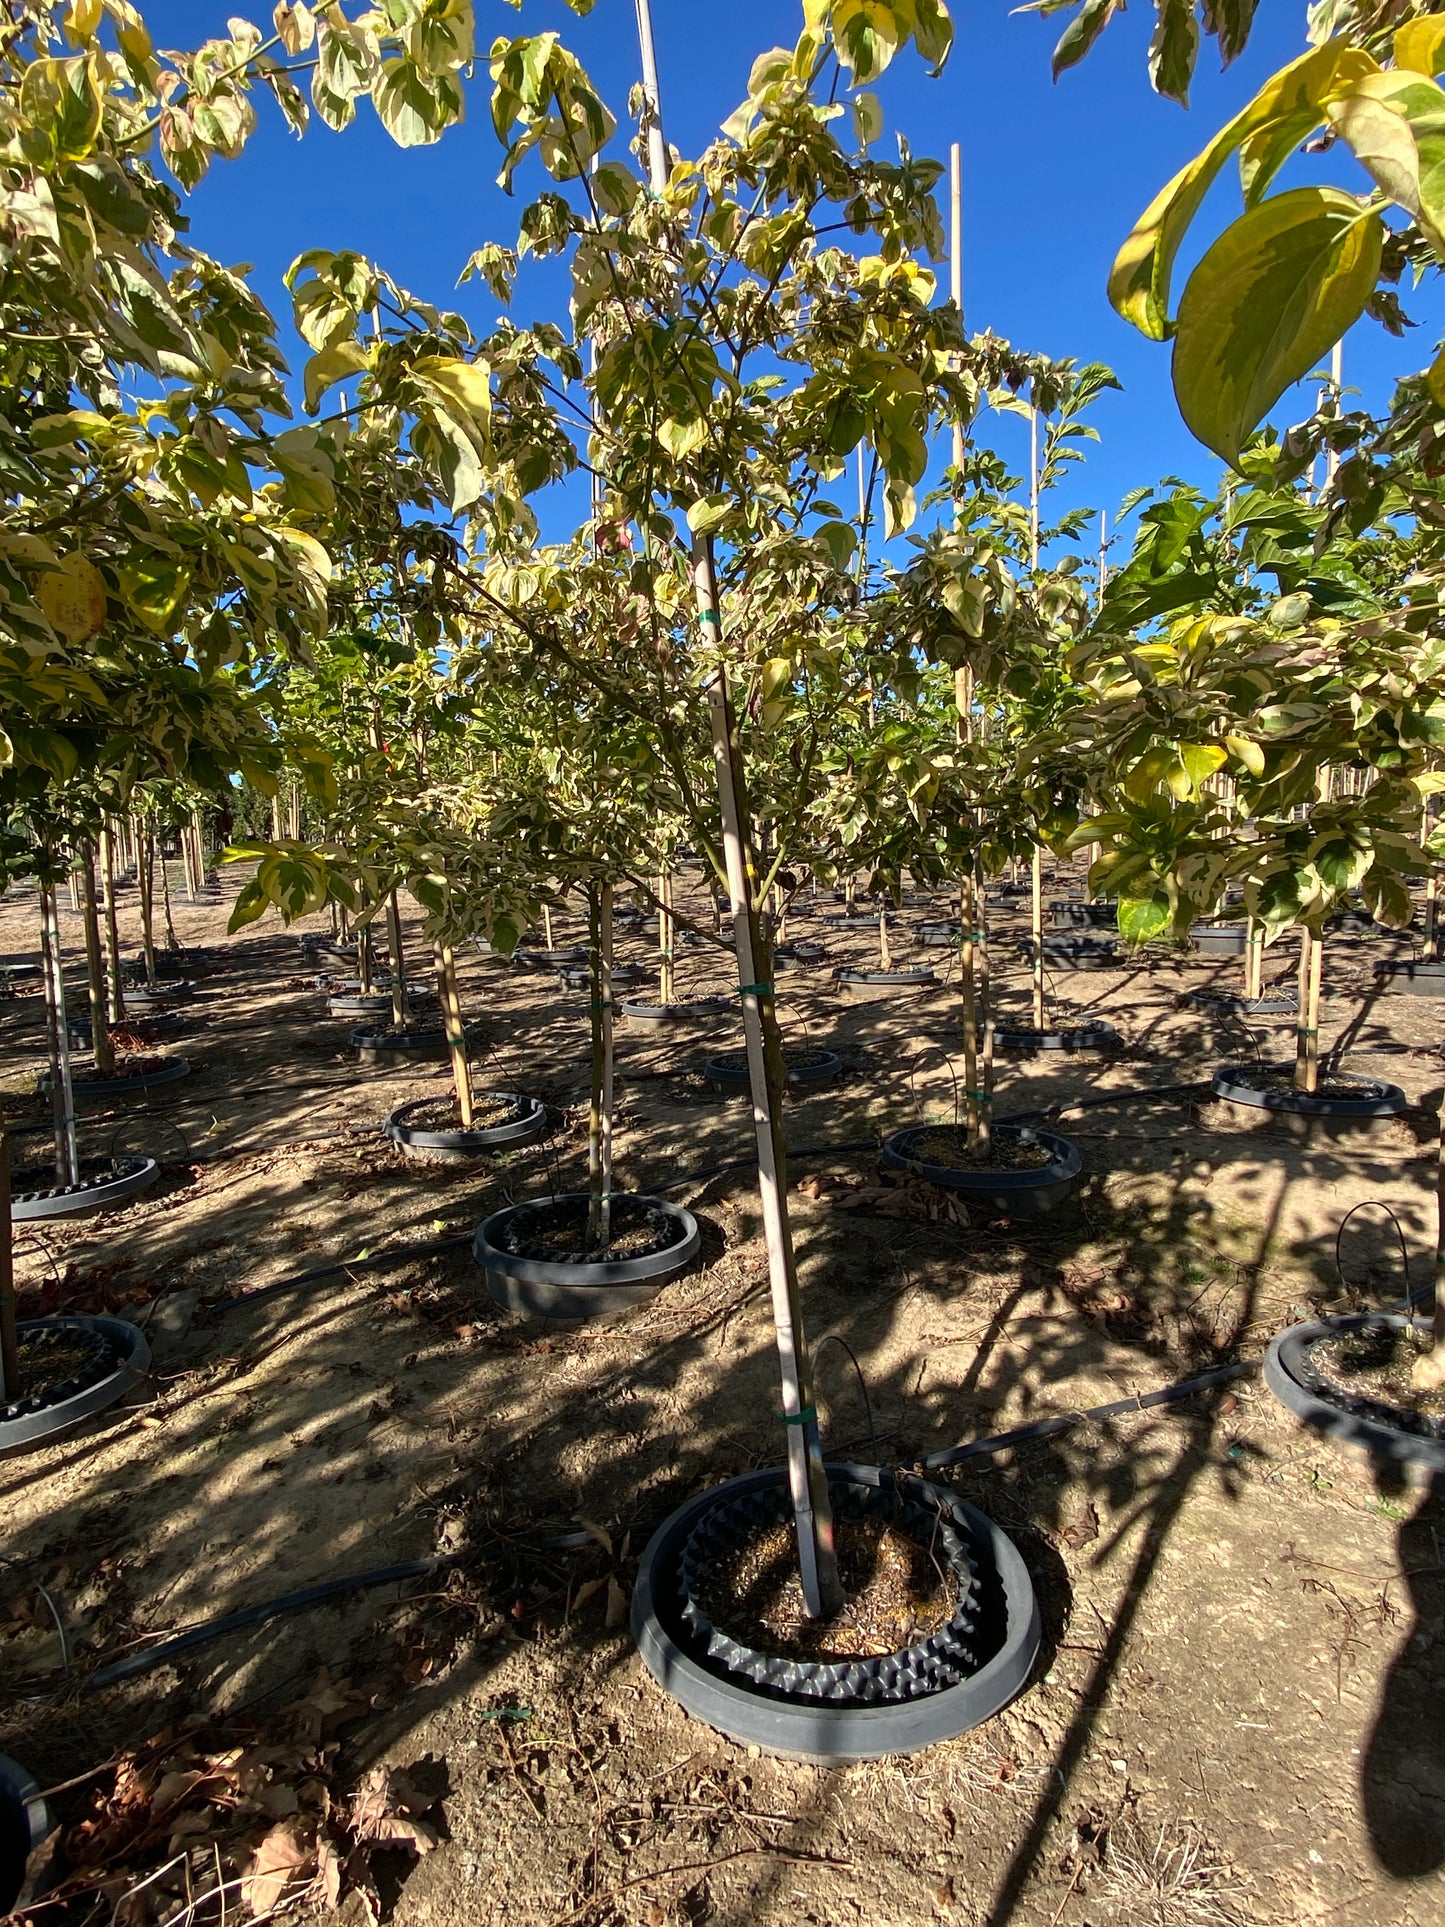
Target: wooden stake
column 400, row 1007
column 969, row 987
column 1307, row 1033
column 666, row 938
column 807, row 1476
column 983, row 1007
column 609, row 1060
column 885, row 955
column 101, row 1048
column 145, row 858
column 1033, row 488
column 62, row 1093
column 1037, row 882
column 657, row 167
column 1253, row 959
column 955, row 272
column 547, row 936
column 116, row 978
column 456, row 1030
column 10, row 1386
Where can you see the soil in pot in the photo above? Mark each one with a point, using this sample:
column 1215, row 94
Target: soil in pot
column 56, row 1362
column 796, row 1057
column 554, row 1231
column 444, row 1113
column 948, row 1146
column 897, row 1592
column 1336, row 1086
column 1375, row 1366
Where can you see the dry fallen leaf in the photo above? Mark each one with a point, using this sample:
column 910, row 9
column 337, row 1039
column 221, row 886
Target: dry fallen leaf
column 283, row 1855
column 1083, row 1531
column 377, row 1812
column 616, row 1603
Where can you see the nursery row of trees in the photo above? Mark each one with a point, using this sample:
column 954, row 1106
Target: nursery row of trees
column 726, row 656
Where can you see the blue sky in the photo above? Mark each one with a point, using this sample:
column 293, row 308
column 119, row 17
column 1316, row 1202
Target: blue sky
column 1054, row 176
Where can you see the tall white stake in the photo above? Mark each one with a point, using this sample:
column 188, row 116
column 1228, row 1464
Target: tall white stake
column 657, row 168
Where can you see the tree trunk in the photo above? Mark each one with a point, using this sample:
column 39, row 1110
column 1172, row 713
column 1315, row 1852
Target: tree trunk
column 1307, row 1032
column 456, row 1030
column 666, row 937
column 983, row 1008
column 1253, row 959
column 599, row 1131
column 547, row 936
column 173, row 942
column 885, row 955
column 62, row 1095
column 198, row 834
column 807, row 1475
column 400, row 1008
column 10, row 1387
column 101, row 1048
column 968, row 987
column 1037, row 880
column 363, row 958
column 146, row 859
column 115, row 975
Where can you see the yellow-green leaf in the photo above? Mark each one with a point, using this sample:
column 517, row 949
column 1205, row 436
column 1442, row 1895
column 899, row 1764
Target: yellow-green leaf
column 72, row 599
column 1420, row 44
column 1245, row 751
column 333, row 364
column 1275, row 292
column 1394, row 124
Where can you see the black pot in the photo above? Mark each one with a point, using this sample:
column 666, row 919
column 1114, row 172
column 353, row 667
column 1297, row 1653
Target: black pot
column 1219, row 939
column 645, row 1016
column 170, row 1071
column 557, row 1288
column 1418, row 976
column 1376, row 1098
column 528, row 1120
column 1025, row 1040
column 1376, row 1427
column 168, row 990
column 120, row 1360
column 1017, row 1194
column 869, row 984
column 1073, row 953
column 1103, row 915
column 849, row 920
column 24, row 1823
column 1275, row 1003
column 353, row 1004
column 942, row 935
column 106, row 1183
column 729, row 1072
column 866, row 1709
column 148, row 1026
column 374, row 1045
column 804, row 951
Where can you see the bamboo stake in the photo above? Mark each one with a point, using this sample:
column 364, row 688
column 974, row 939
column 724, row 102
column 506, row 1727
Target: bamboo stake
column 101, row 1049
column 1037, row 908
column 116, row 1010
column 1033, row 488
column 10, row 1386
column 984, row 1009
column 955, row 275
column 173, row 942
column 1307, row 1033
column 456, row 1030
column 1103, row 553
column 145, row 858
column 666, row 937
column 657, row 167
column 363, row 958
column 885, row 954
column 1432, row 890
column 400, row 1007
column 969, row 988
column 594, row 1109
column 547, row 926
column 609, row 1060
column 62, row 1093
column 807, row 1476
column 1254, row 959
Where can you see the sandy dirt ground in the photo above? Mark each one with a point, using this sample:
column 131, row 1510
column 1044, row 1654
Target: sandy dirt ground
column 1239, row 1713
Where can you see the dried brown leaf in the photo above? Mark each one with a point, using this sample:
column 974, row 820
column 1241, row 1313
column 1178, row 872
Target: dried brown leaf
column 284, row 1855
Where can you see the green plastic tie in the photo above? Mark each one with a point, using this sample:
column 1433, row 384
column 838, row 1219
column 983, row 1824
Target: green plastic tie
column 709, row 615
column 755, row 990
column 978, row 1093
column 807, row 1416
column 606, row 1006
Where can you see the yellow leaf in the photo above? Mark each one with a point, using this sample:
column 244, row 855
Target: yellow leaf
column 72, row 599
column 1420, row 45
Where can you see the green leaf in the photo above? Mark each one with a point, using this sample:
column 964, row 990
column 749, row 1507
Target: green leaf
column 867, row 118
column 1201, row 760
column 61, row 99
column 1082, row 31
column 1141, row 918
column 333, row 364
column 1273, row 294
column 1394, row 124
column 1173, row 49
column 704, row 516
column 1247, row 752
column 1139, row 280
column 416, row 108
column 251, row 903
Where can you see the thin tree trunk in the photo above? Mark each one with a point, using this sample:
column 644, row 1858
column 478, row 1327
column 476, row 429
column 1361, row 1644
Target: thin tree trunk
column 101, row 1048
column 594, row 1109
column 666, row 937
column 115, row 976
column 547, row 936
column 62, row 1094
column 173, row 942
column 198, row 832
column 363, row 958
column 609, row 1058
column 885, row 955
column 969, row 989
column 1432, row 890
column 1307, row 1034
column 276, row 825
column 10, row 1387
column 1253, row 959
column 1037, row 883
column 807, row 1475
column 456, row 1030
column 983, row 1009
column 400, row 1008
column 146, row 858
column 848, row 893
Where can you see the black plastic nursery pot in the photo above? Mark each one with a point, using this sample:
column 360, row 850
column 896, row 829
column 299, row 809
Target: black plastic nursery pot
column 1219, row 939
column 522, row 1118
column 531, row 1267
column 170, row 990
column 1384, row 1430
column 380, row 1044
column 831, row 1710
column 148, row 1026
column 728, row 1072
column 942, row 935
column 804, row 951
column 353, row 1004
column 1416, row 976
column 24, row 1823
column 1022, row 1192
column 865, row 986
column 1353, row 1102
column 1068, row 915
column 1274, row 1003
column 851, row 920
column 168, row 1070
column 93, row 1364
column 104, row 1184
column 641, row 1015
column 1025, row 1039
column 1073, row 953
